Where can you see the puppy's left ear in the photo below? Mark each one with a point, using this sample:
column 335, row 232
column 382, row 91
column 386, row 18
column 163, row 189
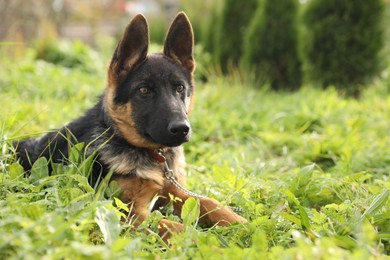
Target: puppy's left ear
column 131, row 50
column 179, row 43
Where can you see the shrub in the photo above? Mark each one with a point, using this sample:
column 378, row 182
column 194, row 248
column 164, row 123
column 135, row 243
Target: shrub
column 68, row 54
column 158, row 27
column 231, row 25
column 209, row 33
column 204, row 17
column 271, row 44
column 343, row 41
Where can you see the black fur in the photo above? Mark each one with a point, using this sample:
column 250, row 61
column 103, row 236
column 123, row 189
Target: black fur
column 163, row 105
column 96, row 130
column 145, row 106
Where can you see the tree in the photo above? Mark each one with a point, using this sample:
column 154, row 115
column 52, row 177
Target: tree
column 343, row 42
column 271, row 44
column 232, row 26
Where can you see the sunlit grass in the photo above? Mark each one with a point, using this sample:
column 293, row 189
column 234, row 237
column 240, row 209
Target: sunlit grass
column 310, row 169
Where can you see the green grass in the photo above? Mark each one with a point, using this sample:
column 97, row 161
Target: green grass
column 310, row 170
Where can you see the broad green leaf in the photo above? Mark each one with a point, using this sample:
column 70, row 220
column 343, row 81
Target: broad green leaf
column 39, row 169
column 305, row 222
column 190, row 212
column 82, row 183
column 75, row 152
column 121, row 205
column 15, row 171
column 108, row 223
column 121, row 209
column 290, row 217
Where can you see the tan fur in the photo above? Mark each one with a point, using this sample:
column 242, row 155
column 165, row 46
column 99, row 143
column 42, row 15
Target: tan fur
column 140, row 193
column 210, row 209
column 120, row 165
column 121, row 115
column 127, row 55
column 166, row 228
column 144, row 183
column 179, row 165
column 132, row 48
column 151, row 174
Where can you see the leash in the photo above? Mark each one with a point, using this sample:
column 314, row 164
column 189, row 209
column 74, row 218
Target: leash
column 158, row 155
column 168, row 174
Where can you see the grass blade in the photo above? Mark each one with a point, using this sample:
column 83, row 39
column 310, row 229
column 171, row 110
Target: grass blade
column 376, row 204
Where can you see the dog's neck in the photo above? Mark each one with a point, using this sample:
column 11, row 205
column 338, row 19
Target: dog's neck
column 156, row 156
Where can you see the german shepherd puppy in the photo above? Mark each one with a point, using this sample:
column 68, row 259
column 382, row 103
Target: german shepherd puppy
column 144, row 108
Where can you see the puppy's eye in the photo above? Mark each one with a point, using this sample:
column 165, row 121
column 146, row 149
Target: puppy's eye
column 180, row 89
column 143, row 91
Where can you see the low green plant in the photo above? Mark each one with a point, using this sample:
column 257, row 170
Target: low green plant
column 68, row 54
column 309, row 169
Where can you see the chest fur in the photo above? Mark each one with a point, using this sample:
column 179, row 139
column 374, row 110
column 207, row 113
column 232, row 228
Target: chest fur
column 140, row 164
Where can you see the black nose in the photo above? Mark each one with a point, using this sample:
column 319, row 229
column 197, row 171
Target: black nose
column 179, row 128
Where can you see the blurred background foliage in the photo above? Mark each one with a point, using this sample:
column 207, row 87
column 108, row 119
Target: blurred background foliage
column 280, row 44
column 302, row 163
column 271, row 44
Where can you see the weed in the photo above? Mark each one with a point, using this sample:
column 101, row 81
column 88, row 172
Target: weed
column 309, row 169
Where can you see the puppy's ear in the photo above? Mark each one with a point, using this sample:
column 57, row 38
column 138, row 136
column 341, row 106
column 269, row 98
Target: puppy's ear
column 131, row 50
column 179, row 43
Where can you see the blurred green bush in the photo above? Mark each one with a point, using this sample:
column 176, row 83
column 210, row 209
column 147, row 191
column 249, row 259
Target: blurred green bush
column 230, row 30
column 271, row 44
column 337, row 43
column 342, row 42
column 68, row 54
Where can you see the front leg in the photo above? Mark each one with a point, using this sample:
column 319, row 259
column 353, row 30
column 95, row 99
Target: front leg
column 211, row 211
column 139, row 193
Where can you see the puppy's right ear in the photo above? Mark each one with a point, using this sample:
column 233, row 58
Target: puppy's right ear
column 179, row 43
column 131, row 50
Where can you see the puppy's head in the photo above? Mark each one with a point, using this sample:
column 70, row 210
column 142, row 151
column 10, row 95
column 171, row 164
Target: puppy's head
column 148, row 97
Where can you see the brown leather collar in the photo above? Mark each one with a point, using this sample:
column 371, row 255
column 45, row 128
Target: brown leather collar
column 155, row 155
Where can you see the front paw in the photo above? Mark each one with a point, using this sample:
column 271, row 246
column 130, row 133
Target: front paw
column 240, row 219
column 167, row 228
column 223, row 217
column 228, row 217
